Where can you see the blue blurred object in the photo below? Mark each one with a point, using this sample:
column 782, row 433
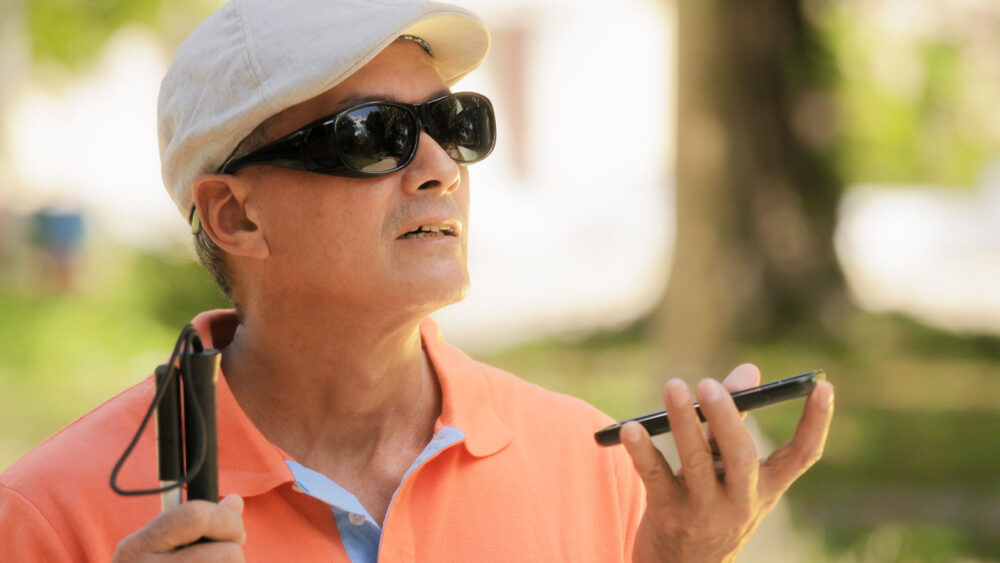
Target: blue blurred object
column 58, row 234
column 60, row 231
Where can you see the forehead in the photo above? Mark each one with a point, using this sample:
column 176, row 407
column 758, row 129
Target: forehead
column 402, row 72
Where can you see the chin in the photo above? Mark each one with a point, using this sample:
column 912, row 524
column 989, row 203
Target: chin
column 433, row 294
column 459, row 294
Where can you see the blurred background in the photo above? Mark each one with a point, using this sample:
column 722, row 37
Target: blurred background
column 679, row 186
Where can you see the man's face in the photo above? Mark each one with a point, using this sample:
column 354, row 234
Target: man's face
column 342, row 241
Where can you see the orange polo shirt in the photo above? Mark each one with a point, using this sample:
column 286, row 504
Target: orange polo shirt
column 513, row 474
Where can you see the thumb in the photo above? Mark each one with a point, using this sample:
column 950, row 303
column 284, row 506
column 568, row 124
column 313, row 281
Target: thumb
column 233, row 502
column 742, row 377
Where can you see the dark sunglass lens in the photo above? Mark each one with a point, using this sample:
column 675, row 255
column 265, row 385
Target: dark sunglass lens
column 320, row 147
column 376, row 138
column 464, row 127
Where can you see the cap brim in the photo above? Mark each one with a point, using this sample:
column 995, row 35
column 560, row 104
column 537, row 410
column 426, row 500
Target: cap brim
column 458, row 42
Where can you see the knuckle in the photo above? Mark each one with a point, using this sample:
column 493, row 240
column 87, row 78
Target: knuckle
column 199, row 516
column 810, row 460
column 653, row 469
column 127, row 549
column 809, row 457
column 817, row 453
column 691, row 533
column 746, row 457
column 699, row 461
column 143, row 541
column 214, row 552
column 796, row 458
column 704, row 528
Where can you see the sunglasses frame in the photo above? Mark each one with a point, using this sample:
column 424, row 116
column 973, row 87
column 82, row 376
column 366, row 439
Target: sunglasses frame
column 291, row 151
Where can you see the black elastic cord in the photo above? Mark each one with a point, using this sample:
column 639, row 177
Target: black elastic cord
column 187, row 342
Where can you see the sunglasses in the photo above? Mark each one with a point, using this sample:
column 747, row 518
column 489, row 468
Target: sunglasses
column 380, row 137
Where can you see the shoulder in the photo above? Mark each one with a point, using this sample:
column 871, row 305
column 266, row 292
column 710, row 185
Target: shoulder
column 470, row 387
column 68, row 476
column 555, row 458
column 474, row 391
column 549, row 425
column 519, row 398
column 82, row 445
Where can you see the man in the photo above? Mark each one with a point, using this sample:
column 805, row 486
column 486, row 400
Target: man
column 323, row 161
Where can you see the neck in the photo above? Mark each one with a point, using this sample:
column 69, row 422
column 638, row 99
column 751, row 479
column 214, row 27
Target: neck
column 327, row 387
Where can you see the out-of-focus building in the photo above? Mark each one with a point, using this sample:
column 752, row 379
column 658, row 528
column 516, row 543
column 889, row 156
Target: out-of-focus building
column 930, row 252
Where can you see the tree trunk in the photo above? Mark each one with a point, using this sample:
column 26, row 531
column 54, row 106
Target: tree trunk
column 756, row 194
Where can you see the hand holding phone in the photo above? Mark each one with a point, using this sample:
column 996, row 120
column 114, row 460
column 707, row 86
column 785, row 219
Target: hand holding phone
column 748, row 399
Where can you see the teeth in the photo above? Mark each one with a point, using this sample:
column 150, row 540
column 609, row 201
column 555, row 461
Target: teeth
column 430, row 231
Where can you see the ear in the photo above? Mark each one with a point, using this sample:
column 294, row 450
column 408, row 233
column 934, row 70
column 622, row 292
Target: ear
column 229, row 216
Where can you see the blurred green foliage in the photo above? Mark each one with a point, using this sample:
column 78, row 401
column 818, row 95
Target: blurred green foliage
column 910, row 106
column 62, row 354
column 173, row 288
column 909, row 543
column 72, row 32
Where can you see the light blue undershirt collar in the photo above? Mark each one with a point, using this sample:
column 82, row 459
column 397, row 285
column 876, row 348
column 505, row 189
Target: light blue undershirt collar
column 359, row 532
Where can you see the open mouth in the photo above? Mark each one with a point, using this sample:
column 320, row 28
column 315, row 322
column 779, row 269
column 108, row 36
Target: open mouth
column 426, row 231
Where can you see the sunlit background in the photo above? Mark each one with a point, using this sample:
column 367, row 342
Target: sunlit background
column 679, row 185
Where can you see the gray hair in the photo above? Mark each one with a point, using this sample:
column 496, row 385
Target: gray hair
column 210, row 256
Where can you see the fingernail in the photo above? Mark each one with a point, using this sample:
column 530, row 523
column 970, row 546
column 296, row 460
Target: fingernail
column 709, row 390
column 678, row 393
column 826, row 402
column 233, row 500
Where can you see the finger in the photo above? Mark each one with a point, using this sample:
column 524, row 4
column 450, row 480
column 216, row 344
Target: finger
column 790, row 461
column 211, row 552
column 653, row 469
column 233, row 502
column 692, row 447
column 743, row 376
column 187, row 523
column 734, row 443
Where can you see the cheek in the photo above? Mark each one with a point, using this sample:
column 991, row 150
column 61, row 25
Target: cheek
column 335, row 231
column 462, row 200
column 461, row 195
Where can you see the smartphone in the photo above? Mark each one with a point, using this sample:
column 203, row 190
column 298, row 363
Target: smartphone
column 747, row 399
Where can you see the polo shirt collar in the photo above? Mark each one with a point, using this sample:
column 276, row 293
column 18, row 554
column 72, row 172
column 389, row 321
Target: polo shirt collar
column 466, row 401
column 251, row 465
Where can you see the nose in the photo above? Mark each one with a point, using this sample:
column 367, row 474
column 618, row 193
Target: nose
column 431, row 169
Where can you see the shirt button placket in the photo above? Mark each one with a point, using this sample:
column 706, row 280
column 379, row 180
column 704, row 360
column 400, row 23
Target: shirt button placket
column 356, row 519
